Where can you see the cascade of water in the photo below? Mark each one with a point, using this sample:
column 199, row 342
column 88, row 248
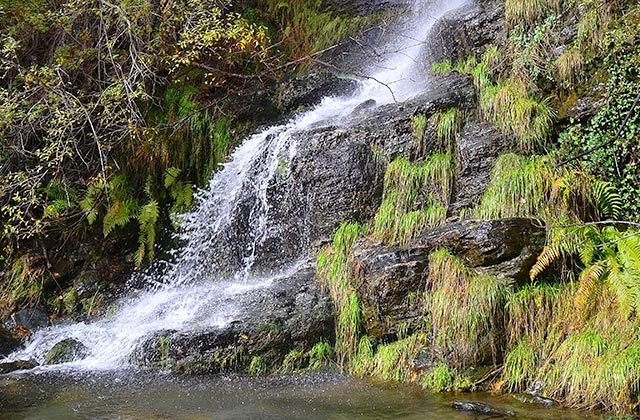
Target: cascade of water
column 191, row 294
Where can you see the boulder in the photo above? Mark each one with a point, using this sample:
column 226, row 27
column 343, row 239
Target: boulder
column 291, row 314
column 506, row 248
column 65, row 351
column 9, row 367
column 390, row 279
column 8, row 343
column 31, row 319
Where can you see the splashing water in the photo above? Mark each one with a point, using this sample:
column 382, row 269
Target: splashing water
column 195, row 292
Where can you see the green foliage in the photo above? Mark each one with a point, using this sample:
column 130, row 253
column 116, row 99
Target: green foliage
column 611, row 266
column 415, row 196
column 532, row 187
column 320, row 355
column 440, row 379
column 448, row 123
column 518, row 112
column 333, row 270
column 529, row 11
column 293, row 361
column 25, row 284
column 308, row 28
column 520, row 367
column 419, row 127
column 465, row 309
column 257, row 366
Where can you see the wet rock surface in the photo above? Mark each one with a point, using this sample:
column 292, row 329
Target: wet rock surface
column 479, row 145
column 65, row 351
column 31, row 319
column 292, row 314
column 468, row 31
column 478, row 407
column 13, row 366
column 8, row 343
column 390, row 279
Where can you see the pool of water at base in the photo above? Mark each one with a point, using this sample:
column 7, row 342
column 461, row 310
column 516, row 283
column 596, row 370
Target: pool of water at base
column 132, row 394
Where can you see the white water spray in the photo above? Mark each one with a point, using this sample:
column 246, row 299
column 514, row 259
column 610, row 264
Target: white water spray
column 190, row 295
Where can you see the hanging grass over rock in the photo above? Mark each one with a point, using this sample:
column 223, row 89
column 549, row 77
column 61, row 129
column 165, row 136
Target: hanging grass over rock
column 448, row 123
column 415, row 197
column 333, row 267
column 510, row 105
column 532, row 187
column 529, row 11
column 466, row 311
column 568, row 67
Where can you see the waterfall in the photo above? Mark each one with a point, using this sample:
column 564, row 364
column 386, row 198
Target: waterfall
column 196, row 291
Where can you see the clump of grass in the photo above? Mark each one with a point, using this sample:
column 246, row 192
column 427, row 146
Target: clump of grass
column 333, row 270
column 448, row 123
column 419, row 127
column 531, row 312
column 514, row 110
column 333, row 263
column 257, row 366
column 394, row 361
column 320, row 355
column 348, row 329
column 466, row 309
column 363, row 360
column 568, row 67
column 293, row 361
column 440, row 379
column 520, row 367
column 388, row 361
column 528, row 11
column 531, row 187
column 415, row 196
column 442, row 67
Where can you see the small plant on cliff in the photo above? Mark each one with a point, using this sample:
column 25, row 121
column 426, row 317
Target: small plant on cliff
column 419, row 127
column 320, row 355
column 257, row 366
column 448, row 123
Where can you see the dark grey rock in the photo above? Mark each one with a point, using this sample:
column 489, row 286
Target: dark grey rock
column 8, row 343
column 468, row 30
column 506, row 248
column 292, row 314
column 9, row 367
column 65, row 351
column 481, row 408
column 309, row 89
column 479, row 145
column 32, row 319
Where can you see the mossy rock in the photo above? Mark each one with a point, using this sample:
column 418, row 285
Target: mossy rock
column 65, row 351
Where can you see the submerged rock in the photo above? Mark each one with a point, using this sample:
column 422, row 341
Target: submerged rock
column 9, row 367
column 481, row 408
column 65, row 351
column 291, row 315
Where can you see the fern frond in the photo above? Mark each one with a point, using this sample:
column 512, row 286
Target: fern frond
column 588, row 285
column 608, row 201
